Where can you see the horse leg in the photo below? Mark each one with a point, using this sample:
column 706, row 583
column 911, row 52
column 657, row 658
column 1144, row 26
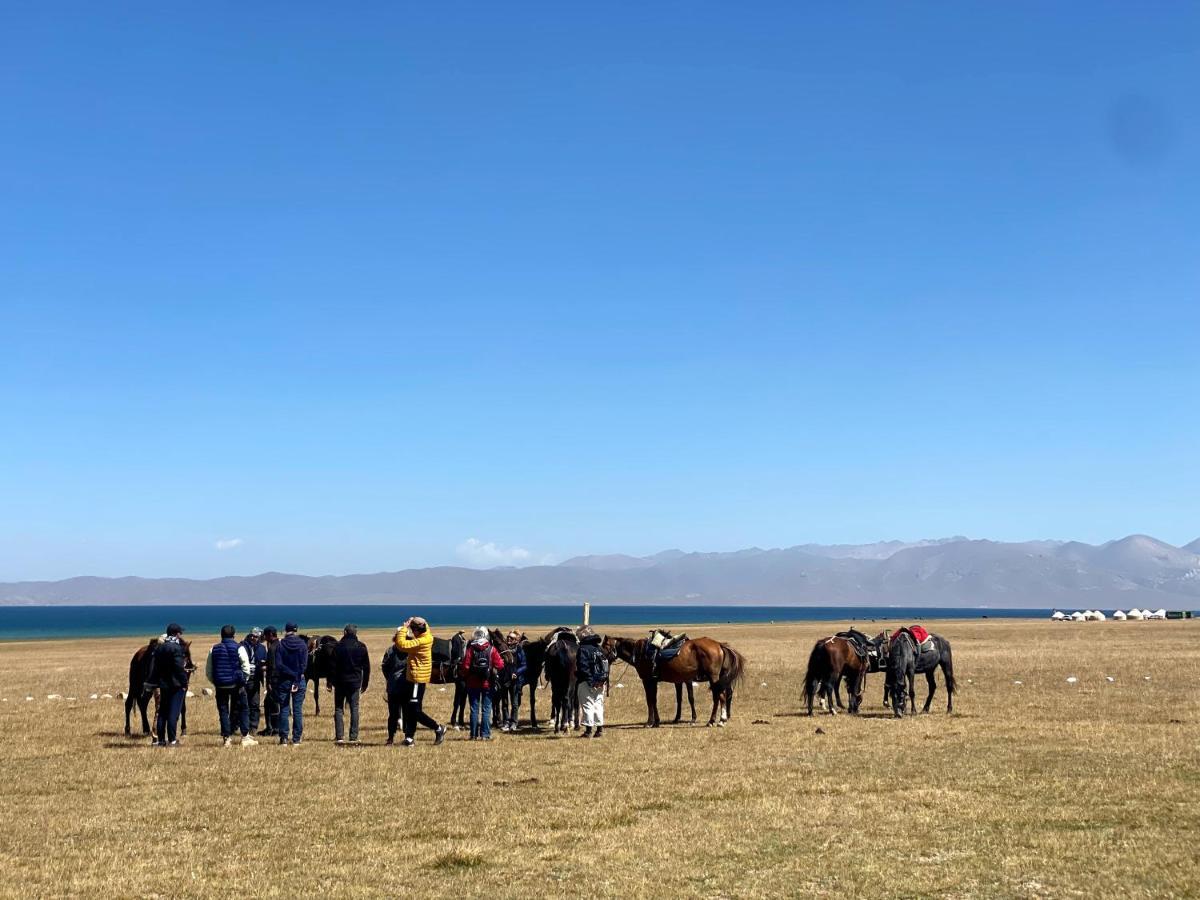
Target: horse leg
column 948, row 674
column 831, row 690
column 716, row 705
column 678, row 703
column 692, row 701
column 183, row 714
column 932, row 688
column 912, row 691
column 533, row 705
column 728, row 714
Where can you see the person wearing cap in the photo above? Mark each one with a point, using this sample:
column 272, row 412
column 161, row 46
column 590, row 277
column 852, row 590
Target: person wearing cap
column 415, row 639
column 270, row 639
column 351, row 675
column 516, row 678
column 479, row 667
column 291, row 661
column 169, row 670
column 256, row 653
column 591, row 673
column 392, row 667
column 228, row 669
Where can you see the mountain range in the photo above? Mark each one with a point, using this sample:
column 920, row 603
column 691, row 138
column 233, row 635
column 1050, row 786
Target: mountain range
column 951, row 572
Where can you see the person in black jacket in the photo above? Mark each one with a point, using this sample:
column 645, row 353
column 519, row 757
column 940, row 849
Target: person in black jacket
column 351, row 676
column 169, row 671
column 270, row 681
column 392, row 667
column 591, row 672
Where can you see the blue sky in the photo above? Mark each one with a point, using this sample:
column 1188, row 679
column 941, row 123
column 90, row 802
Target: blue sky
column 347, row 292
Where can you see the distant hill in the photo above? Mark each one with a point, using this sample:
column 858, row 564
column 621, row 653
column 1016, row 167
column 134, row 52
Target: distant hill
column 1134, row 571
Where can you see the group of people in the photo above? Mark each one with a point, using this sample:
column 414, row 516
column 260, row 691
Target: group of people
column 262, row 679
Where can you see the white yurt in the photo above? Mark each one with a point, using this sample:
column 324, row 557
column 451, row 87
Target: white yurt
column 1118, row 615
column 1077, row 616
column 1098, row 616
column 1057, row 616
column 1157, row 614
column 1135, row 614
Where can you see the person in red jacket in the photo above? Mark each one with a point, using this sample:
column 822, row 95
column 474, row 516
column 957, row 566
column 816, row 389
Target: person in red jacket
column 480, row 665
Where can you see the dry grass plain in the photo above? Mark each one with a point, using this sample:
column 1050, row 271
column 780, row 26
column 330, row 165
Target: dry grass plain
column 1039, row 789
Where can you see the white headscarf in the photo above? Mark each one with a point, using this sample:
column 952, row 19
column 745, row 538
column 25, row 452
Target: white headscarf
column 480, row 635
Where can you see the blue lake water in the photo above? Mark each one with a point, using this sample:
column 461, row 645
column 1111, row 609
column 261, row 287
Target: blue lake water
column 37, row 622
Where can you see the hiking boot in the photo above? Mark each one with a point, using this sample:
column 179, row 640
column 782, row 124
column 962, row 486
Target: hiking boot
column 248, row 741
column 439, row 735
column 599, row 731
column 228, row 742
column 587, row 732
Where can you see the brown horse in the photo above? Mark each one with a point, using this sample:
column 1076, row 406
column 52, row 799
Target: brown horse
column 139, row 674
column 699, row 659
column 832, row 659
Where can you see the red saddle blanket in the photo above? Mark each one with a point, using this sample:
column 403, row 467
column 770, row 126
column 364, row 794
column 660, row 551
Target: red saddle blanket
column 916, row 631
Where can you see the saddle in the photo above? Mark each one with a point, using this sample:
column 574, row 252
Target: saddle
column 922, row 638
column 664, row 645
column 862, row 645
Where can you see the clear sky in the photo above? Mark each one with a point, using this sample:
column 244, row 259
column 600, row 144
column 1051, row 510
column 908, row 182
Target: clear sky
column 284, row 286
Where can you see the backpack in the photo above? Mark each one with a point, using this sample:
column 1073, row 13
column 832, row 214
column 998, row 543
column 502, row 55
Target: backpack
column 481, row 661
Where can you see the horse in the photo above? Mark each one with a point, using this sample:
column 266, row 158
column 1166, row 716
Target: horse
column 501, row 687
column 535, row 664
column 448, row 655
column 139, row 674
column 320, row 664
column 832, row 659
column 905, row 661
column 562, row 653
column 699, row 659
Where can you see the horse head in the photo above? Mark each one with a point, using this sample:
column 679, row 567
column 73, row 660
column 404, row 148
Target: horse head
column 614, row 647
column 187, row 655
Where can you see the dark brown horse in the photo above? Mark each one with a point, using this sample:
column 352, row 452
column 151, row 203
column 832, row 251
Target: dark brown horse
column 139, row 675
column 832, row 659
column 699, row 659
column 561, row 656
column 320, row 664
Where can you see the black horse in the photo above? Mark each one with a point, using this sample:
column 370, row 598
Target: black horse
column 535, row 664
column 906, row 659
column 320, row 664
column 562, row 653
column 141, row 692
column 448, row 656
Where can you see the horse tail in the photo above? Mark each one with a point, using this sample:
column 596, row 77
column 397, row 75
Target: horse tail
column 733, row 667
column 814, row 673
column 948, row 665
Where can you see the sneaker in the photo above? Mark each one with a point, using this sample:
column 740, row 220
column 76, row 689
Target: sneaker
column 339, row 741
column 283, row 742
column 228, row 742
column 408, row 742
column 155, row 742
column 599, row 732
column 172, row 744
column 389, row 742
column 587, row 733
column 248, row 741
column 439, row 735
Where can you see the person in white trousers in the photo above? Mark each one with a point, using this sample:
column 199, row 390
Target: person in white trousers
column 592, row 674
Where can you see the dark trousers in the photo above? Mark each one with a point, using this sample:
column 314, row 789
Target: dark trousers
column 341, row 697
column 170, row 704
column 514, row 702
column 291, row 702
column 231, row 704
column 271, row 708
column 395, row 706
column 253, row 697
column 414, row 715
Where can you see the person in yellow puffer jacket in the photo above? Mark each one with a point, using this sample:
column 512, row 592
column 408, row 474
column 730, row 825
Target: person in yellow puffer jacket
column 415, row 639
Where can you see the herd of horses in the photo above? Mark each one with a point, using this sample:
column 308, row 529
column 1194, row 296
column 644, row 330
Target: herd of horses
column 846, row 657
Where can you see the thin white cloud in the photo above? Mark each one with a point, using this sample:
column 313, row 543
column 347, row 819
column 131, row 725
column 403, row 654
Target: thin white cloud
column 228, row 543
column 485, row 554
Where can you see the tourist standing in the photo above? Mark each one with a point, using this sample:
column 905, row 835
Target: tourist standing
column 228, row 669
column 479, row 668
column 169, row 671
column 516, row 678
column 592, row 674
column 351, row 675
column 256, row 653
column 415, row 639
column 291, row 661
column 393, row 672
column 270, row 682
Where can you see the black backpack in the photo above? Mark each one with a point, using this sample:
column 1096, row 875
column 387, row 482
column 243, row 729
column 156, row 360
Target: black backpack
column 481, row 661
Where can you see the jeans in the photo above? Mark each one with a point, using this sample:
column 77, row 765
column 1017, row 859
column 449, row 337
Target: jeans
column 481, row 725
column 170, row 703
column 231, row 702
column 591, row 704
column 342, row 696
column 395, row 699
column 514, row 702
column 414, row 715
column 253, row 712
column 291, row 702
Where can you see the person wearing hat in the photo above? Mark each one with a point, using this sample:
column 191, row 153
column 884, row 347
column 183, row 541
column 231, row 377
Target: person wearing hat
column 516, row 678
column 479, row 668
column 415, row 639
column 270, row 642
column 169, row 670
column 291, row 661
column 591, row 672
column 256, row 653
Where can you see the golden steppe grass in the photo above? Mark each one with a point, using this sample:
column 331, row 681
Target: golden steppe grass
column 1039, row 789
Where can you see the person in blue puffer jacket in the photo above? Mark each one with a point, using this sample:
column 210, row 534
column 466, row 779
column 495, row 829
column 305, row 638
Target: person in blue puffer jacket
column 291, row 659
column 229, row 669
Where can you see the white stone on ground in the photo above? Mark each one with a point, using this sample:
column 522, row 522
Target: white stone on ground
column 106, row 696
column 1018, row 682
column 620, row 685
column 94, row 697
column 189, row 695
column 1109, row 678
column 1072, row 679
column 54, row 696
